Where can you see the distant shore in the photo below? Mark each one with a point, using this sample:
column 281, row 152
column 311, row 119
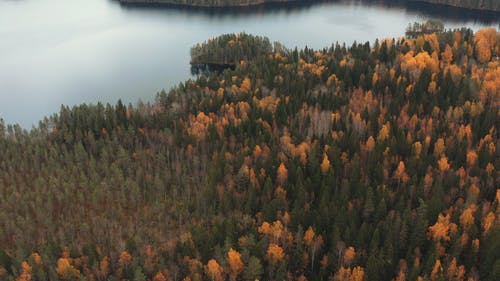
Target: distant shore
column 205, row 3
column 480, row 5
column 477, row 5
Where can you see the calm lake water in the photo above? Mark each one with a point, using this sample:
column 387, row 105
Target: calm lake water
column 55, row 52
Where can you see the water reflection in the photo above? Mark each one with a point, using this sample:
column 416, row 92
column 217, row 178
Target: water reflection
column 207, row 68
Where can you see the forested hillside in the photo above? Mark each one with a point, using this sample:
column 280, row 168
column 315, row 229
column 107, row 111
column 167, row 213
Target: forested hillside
column 368, row 162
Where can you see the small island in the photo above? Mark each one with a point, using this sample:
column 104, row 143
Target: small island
column 230, row 49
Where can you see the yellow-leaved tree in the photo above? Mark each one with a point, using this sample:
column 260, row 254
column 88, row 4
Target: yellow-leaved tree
column 235, row 263
column 66, row 271
column 348, row 274
column 485, row 40
column 159, row 277
column 349, row 255
column 274, row 254
column 246, row 86
column 282, row 174
column 370, row 144
column 443, row 164
column 488, row 222
column 467, row 217
column 471, row 158
column 447, row 55
column 383, row 134
column 214, row 271
column 437, row 271
column 314, row 243
column 417, row 148
column 25, row 272
column 442, row 229
column 124, row 262
column 400, row 173
column 439, row 147
column 325, row 165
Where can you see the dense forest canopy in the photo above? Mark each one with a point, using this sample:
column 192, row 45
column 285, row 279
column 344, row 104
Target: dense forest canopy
column 368, row 162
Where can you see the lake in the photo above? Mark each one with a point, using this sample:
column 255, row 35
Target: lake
column 55, row 52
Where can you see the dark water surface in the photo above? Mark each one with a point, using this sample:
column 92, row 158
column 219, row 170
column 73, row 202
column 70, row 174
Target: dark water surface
column 55, row 52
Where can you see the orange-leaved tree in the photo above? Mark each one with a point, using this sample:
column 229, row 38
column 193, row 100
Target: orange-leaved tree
column 65, row 270
column 325, row 165
column 214, row 271
column 235, row 263
column 282, row 174
column 274, row 254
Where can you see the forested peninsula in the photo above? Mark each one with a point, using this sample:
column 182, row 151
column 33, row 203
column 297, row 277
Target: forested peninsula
column 364, row 162
column 485, row 5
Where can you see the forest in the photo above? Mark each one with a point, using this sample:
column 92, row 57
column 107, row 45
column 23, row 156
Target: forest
column 374, row 161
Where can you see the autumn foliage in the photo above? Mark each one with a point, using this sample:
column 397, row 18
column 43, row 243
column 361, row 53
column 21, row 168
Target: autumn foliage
column 214, row 270
column 235, row 263
column 377, row 161
column 274, row 253
column 65, row 270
